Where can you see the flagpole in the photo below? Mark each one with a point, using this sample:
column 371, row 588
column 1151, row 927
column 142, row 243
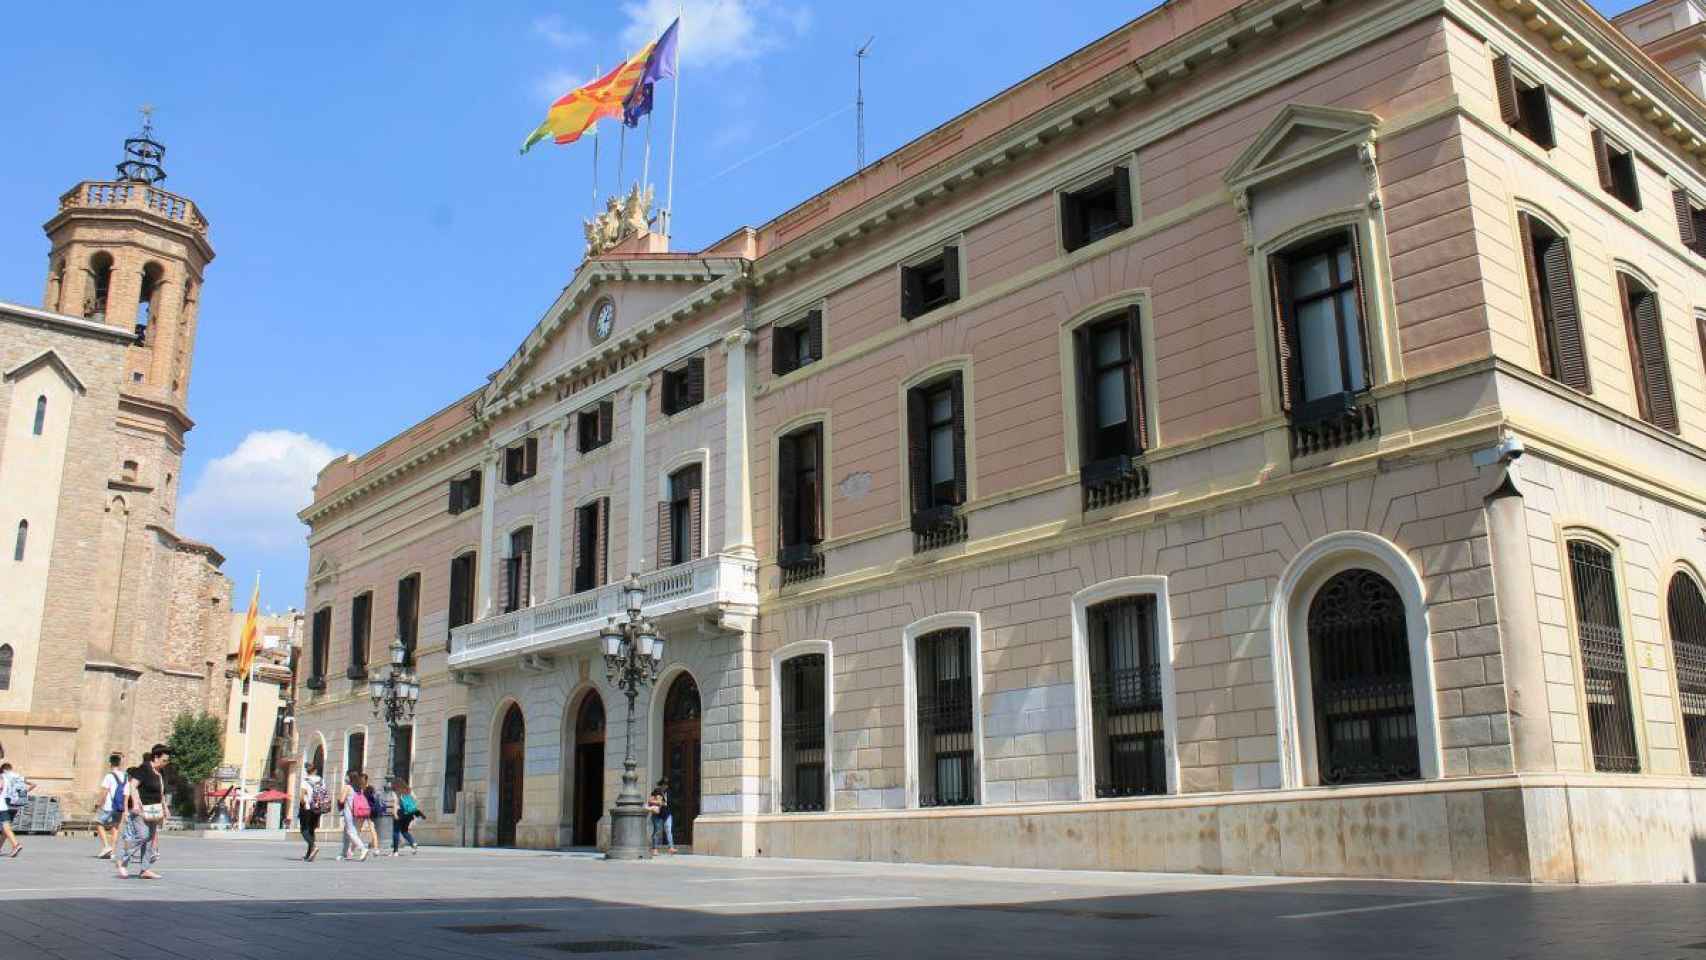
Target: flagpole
column 243, row 699
column 646, row 168
column 674, row 112
column 621, row 156
column 597, row 71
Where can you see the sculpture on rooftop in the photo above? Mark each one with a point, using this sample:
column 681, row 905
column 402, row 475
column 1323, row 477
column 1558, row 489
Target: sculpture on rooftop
column 623, row 218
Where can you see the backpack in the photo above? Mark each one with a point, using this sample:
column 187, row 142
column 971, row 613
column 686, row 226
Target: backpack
column 375, row 803
column 410, row 809
column 117, row 805
column 358, row 807
column 320, row 799
column 18, row 793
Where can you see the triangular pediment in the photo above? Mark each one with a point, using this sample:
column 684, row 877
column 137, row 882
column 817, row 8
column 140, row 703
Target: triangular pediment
column 49, row 358
column 1298, row 136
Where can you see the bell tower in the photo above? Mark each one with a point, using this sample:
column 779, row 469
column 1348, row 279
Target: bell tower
column 130, row 254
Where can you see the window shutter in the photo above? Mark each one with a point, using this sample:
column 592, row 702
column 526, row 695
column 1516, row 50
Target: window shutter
column 917, row 448
column 576, row 554
column 456, row 495
column 1086, row 397
column 601, row 555
column 524, row 574
column 606, row 421
column 476, row 479
column 1572, row 364
column 504, row 577
column 814, row 333
column 1122, row 196
column 1285, row 331
column 1602, row 161
column 582, row 434
column 959, row 394
column 666, row 538
column 787, row 490
column 909, row 293
column 1653, row 379
column 1071, row 225
column 1536, row 296
column 1362, row 306
column 781, row 338
column 695, row 381
column 1504, row 84
column 695, row 511
column 813, row 491
column 1139, row 419
column 1700, row 232
column 530, row 457
column 1686, row 228
column 951, row 272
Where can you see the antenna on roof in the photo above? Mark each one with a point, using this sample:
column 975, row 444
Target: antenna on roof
column 859, row 67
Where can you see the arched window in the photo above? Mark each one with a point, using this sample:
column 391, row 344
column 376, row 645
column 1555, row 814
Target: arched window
column 947, row 775
column 23, row 537
column 5, row 666
column 1688, row 642
column 802, row 716
column 1128, row 732
column 1605, row 672
column 151, row 277
column 1364, row 694
column 100, row 283
column 41, row 415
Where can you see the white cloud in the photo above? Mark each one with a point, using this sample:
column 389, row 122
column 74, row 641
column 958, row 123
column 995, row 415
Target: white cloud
column 249, row 497
column 558, row 33
column 716, row 31
column 556, row 83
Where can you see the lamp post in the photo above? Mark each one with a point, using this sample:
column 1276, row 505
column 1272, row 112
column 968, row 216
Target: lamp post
column 394, row 697
column 633, row 652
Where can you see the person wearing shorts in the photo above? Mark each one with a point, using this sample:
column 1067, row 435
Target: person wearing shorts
column 110, row 815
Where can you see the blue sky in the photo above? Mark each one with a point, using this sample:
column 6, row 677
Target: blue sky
column 381, row 245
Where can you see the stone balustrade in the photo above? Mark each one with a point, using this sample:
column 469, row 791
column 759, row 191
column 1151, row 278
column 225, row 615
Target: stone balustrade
column 135, row 196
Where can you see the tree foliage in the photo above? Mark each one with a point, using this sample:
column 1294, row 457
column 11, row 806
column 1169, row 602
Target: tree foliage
column 198, row 747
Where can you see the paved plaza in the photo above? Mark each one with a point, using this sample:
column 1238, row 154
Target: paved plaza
column 232, row 899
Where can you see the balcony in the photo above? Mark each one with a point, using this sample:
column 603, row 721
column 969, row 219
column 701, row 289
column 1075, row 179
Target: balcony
column 714, row 585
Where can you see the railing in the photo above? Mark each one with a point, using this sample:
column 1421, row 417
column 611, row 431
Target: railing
column 936, row 528
column 1108, row 482
column 1332, row 422
column 135, row 196
column 708, row 581
column 800, row 563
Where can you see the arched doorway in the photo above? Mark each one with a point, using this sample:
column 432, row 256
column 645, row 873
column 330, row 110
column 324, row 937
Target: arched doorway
column 681, row 754
column 512, row 753
column 1364, row 694
column 589, row 770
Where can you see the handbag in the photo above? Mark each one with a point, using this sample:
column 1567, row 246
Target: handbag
column 153, row 812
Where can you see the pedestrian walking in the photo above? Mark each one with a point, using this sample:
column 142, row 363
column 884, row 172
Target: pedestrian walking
column 316, row 801
column 407, row 812
column 663, row 819
column 375, row 810
column 353, row 805
column 144, row 813
column 109, row 816
column 14, row 796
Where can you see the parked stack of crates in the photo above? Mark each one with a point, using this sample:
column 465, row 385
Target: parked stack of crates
column 41, row 816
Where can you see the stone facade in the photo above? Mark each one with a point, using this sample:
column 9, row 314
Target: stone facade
column 114, row 623
column 1455, row 479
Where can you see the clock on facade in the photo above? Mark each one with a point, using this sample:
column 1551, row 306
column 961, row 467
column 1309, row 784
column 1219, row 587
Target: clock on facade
column 602, row 319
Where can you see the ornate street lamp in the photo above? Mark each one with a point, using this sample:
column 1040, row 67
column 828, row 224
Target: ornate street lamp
column 394, row 697
column 633, row 652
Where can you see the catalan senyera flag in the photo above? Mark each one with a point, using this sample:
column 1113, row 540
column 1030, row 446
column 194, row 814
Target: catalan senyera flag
column 246, row 644
column 574, row 112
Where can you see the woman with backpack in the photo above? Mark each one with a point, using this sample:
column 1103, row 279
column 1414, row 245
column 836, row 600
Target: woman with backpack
column 354, row 807
column 316, row 800
column 408, row 811
column 375, row 810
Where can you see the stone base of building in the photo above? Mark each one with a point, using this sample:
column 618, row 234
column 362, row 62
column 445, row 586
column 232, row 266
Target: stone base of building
column 1545, row 829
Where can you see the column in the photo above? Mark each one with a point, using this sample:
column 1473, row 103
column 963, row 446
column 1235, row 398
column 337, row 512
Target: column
column 559, row 432
column 1519, row 625
column 737, row 474
column 488, row 494
column 637, row 506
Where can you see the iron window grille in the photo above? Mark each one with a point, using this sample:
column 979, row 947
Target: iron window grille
column 931, row 283
column 1605, row 674
column 1130, row 744
column 803, row 785
column 684, row 386
column 521, row 462
column 455, row 741
column 797, row 344
column 1557, row 313
column 1099, row 210
column 1687, row 612
column 1364, row 693
column 946, row 754
column 6, row 666
column 1523, row 104
column 360, row 632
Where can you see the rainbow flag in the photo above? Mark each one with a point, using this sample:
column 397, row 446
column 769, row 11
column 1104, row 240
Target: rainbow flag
column 576, row 111
column 246, row 644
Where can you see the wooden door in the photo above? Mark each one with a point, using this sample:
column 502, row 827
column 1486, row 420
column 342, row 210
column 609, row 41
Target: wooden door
column 511, row 767
column 589, row 771
column 681, row 754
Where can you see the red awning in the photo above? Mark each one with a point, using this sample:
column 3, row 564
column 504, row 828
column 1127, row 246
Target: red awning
column 268, row 795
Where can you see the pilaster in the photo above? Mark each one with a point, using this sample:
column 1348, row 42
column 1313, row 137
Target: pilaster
column 488, row 494
column 637, row 394
column 737, row 475
column 559, row 432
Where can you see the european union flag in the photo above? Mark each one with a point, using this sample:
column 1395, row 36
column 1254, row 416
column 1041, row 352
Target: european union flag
column 659, row 66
